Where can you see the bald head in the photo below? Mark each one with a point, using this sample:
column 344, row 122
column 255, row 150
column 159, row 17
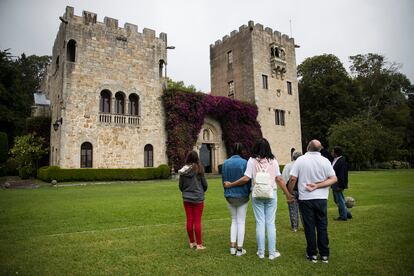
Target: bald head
column 314, row 145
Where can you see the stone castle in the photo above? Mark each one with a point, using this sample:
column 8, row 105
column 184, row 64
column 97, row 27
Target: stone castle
column 105, row 85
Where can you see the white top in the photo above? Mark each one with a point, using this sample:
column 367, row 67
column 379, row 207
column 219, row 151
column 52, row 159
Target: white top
column 273, row 168
column 312, row 168
column 286, row 171
column 335, row 159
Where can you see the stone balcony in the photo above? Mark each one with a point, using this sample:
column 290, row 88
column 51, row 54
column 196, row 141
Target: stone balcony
column 278, row 67
column 119, row 119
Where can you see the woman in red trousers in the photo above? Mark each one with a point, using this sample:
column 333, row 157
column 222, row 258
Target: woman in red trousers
column 193, row 186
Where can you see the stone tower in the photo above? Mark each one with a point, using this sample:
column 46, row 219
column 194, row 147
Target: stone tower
column 258, row 65
column 105, row 85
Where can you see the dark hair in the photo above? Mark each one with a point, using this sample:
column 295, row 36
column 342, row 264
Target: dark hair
column 238, row 149
column 338, row 151
column 325, row 153
column 192, row 159
column 262, row 150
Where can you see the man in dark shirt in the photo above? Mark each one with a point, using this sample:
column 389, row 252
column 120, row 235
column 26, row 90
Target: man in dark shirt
column 341, row 170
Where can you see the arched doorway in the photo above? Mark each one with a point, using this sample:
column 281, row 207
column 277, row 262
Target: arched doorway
column 206, row 157
column 210, row 145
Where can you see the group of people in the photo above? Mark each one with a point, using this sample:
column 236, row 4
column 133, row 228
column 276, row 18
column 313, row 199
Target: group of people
column 305, row 183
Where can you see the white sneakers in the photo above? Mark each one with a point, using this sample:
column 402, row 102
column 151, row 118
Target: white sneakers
column 240, row 252
column 271, row 257
column 274, row 255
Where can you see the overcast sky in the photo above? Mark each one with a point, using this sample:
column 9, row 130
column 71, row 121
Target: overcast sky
column 341, row 27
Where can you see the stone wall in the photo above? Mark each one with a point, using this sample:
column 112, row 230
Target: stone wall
column 115, row 59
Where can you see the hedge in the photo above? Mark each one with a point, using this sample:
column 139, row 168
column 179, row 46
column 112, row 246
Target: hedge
column 61, row 175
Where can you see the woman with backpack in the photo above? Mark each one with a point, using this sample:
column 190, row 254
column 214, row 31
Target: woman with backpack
column 193, row 185
column 263, row 168
column 237, row 198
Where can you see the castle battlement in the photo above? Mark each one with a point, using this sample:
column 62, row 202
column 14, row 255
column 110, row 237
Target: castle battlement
column 279, row 38
column 90, row 19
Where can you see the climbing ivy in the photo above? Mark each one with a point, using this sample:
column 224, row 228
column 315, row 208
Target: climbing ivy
column 185, row 114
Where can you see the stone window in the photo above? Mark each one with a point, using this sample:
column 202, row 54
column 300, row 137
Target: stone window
column 264, row 82
column 289, row 88
column 86, row 155
column 105, row 102
column 119, row 103
column 231, row 89
column 148, row 156
column 279, row 117
column 161, row 68
column 230, row 59
column 71, row 50
column 57, row 63
column 133, row 105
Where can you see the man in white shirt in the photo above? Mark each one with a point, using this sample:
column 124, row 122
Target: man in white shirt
column 316, row 175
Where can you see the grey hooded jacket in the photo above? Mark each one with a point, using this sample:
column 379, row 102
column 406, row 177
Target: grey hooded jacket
column 191, row 185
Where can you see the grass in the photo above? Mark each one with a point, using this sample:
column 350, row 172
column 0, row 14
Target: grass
column 138, row 228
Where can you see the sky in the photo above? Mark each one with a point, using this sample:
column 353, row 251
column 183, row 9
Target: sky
column 340, row 27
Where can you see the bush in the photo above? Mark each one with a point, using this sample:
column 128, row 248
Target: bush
column 11, row 166
column 61, row 175
column 393, row 165
column 25, row 172
column 399, row 164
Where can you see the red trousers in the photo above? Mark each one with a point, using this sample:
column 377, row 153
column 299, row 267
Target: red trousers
column 194, row 211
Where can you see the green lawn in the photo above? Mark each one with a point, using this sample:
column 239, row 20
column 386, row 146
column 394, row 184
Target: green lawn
column 138, row 228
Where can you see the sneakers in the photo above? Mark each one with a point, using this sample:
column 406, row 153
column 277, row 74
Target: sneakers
column 340, row 219
column 274, row 255
column 261, row 256
column 232, row 251
column 200, row 247
column 325, row 259
column 313, row 259
column 240, row 252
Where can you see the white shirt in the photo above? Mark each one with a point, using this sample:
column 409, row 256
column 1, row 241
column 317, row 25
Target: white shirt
column 312, row 168
column 335, row 159
column 286, row 171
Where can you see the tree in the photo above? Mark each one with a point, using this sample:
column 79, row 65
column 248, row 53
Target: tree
column 4, row 147
column 364, row 140
column 19, row 79
column 382, row 91
column 326, row 96
column 27, row 151
column 180, row 86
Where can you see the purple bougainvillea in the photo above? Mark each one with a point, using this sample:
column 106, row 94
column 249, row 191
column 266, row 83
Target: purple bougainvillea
column 185, row 113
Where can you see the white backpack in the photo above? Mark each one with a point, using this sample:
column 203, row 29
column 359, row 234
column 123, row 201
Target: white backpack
column 262, row 183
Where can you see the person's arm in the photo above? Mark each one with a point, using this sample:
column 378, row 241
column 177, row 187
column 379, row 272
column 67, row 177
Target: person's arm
column 204, row 183
column 326, row 183
column 180, row 183
column 292, row 183
column 241, row 181
column 281, row 183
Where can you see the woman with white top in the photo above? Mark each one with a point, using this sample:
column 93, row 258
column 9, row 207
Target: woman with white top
column 264, row 209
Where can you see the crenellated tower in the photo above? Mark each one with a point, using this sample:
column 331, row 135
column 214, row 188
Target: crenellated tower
column 105, row 85
column 258, row 65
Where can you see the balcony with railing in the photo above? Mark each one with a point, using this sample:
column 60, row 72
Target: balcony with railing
column 119, row 119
